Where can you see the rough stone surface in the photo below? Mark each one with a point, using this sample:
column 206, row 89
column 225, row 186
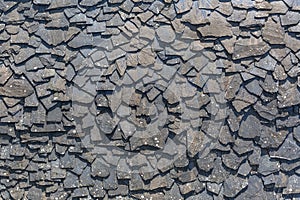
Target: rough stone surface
column 149, row 99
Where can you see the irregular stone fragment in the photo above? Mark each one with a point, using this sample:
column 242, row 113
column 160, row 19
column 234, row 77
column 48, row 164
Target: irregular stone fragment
column 233, row 185
column 293, row 185
column 273, row 32
column 62, row 3
column 16, row 88
column 106, row 123
column 231, row 160
column 292, row 42
column 24, row 54
column 250, row 128
column 289, row 150
column 115, row 54
column 183, row 5
column 81, row 40
column 218, row 27
column 51, row 37
column 290, row 18
column 81, row 96
column 5, row 74
column 249, row 47
column 71, row 181
column 165, row 34
column 267, row 166
column 34, row 193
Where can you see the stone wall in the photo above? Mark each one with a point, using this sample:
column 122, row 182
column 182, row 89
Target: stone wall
column 149, row 99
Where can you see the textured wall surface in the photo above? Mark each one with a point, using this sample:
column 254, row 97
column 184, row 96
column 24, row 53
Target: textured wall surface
column 149, row 99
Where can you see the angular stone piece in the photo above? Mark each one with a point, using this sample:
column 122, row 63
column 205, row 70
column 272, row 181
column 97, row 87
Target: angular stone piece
column 16, row 88
column 165, row 34
column 292, row 42
column 218, row 27
column 24, row 54
column 183, row 5
column 290, row 18
column 106, row 123
column 5, row 74
column 233, row 185
column 81, row 40
column 267, row 166
column 273, row 32
column 250, row 128
column 289, row 150
column 244, row 48
column 99, row 168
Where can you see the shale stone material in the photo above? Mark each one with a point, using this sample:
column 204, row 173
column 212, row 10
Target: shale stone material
column 149, row 99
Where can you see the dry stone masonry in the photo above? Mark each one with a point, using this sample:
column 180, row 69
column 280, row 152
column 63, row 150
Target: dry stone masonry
column 149, row 99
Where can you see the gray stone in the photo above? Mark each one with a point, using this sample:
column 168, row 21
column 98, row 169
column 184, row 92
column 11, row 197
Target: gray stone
column 231, row 160
column 289, row 150
column 51, row 36
column 254, row 87
column 183, row 5
column 244, row 169
column 233, row 185
column 97, row 27
column 34, row 193
column 290, row 18
column 71, row 181
column 218, row 27
column 81, row 40
column 5, row 74
column 273, row 32
column 165, row 34
column 244, row 48
column 106, row 123
column 62, row 3
column 292, row 42
column 250, row 127
column 89, row 2
column 99, row 168
column 16, row 88
column 24, row 54
column 271, row 138
column 293, row 185
column 268, row 166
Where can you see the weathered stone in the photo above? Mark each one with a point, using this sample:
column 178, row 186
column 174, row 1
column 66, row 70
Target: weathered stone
column 81, row 40
column 233, row 185
column 289, row 150
column 268, row 166
column 165, row 34
column 244, row 48
column 273, row 32
column 218, row 27
column 292, row 42
column 16, row 88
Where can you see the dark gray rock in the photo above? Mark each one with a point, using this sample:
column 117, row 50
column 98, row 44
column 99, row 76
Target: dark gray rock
column 289, row 150
column 244, row 48
column 233, row 185
column 16, row 88
column 268, row 166
column 250, row 127
column 5, row 74
column 99, row 168
column 165, row 34
column 71, row 181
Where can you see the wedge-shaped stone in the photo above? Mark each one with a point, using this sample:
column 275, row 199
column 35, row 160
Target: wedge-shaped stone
column 289, row 150
column 218, row 27
column 233, row 185
column 250, row 128
column 244, row 48
column 16, row 88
